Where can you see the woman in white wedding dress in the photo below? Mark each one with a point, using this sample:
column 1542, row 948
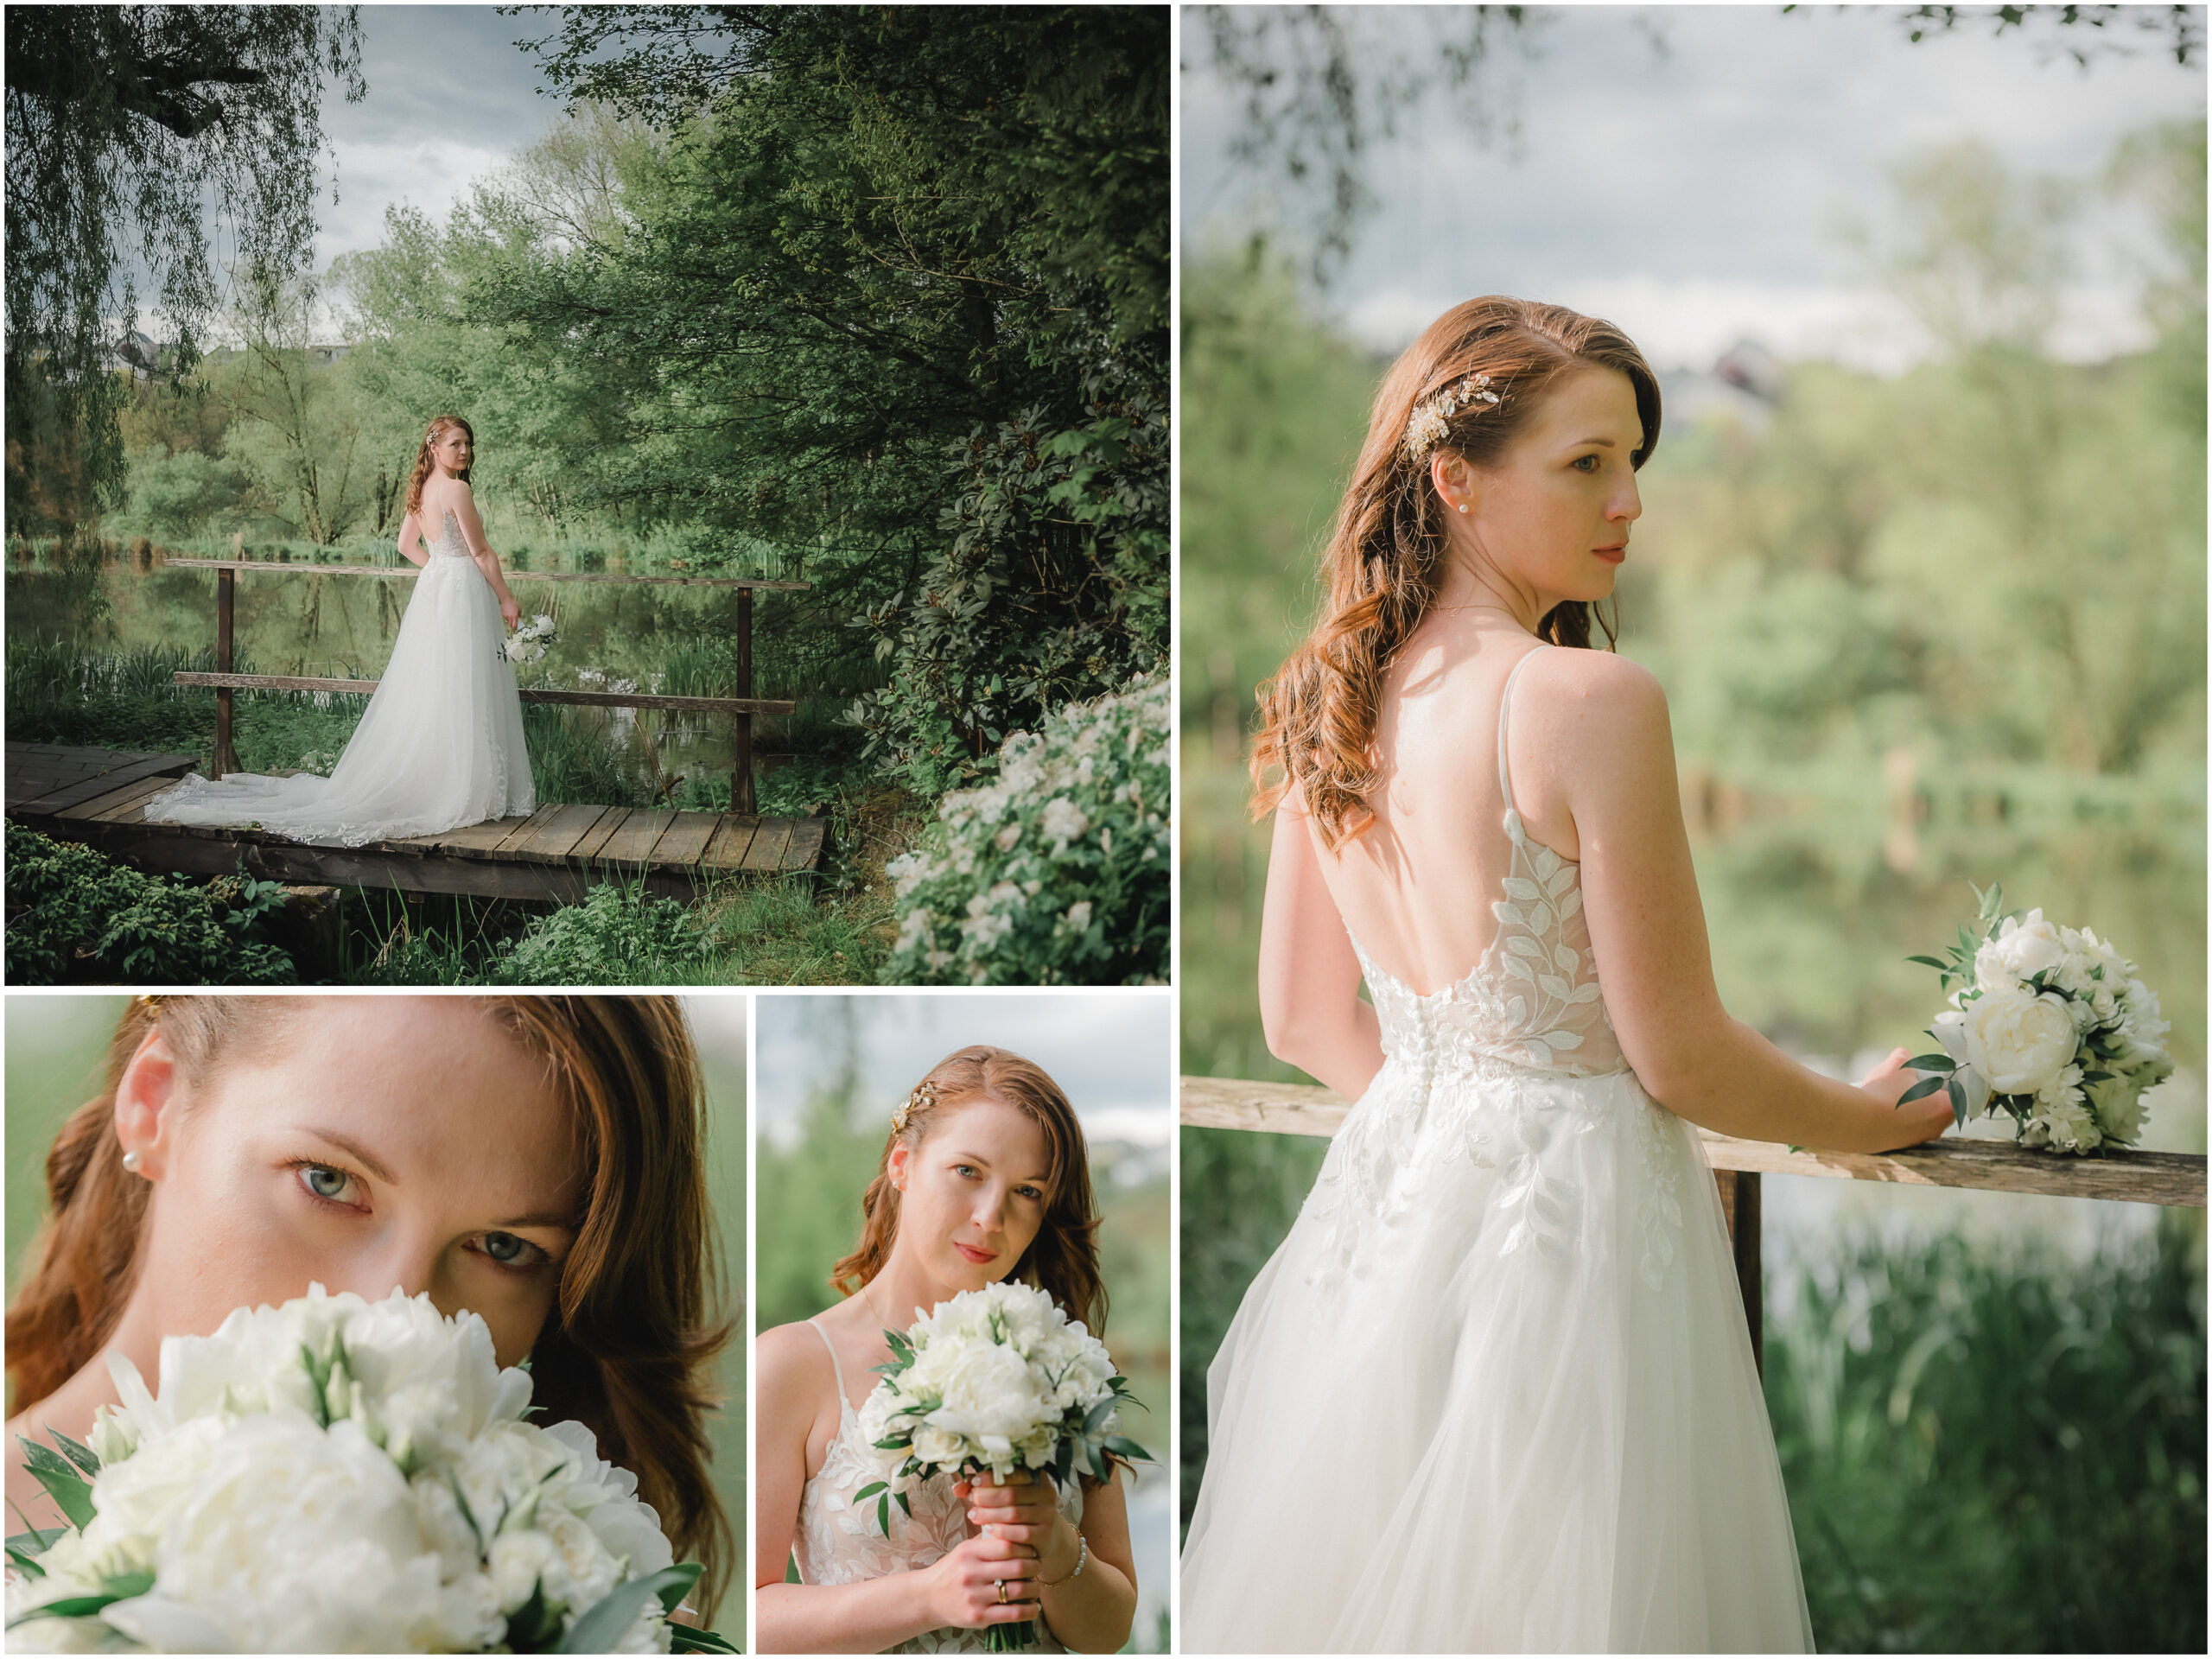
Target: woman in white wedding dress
column 441, row 743
column 984, row 1176
column 1495, row 1392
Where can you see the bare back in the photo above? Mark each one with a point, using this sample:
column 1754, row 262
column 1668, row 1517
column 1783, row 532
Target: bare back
column 1415, row 888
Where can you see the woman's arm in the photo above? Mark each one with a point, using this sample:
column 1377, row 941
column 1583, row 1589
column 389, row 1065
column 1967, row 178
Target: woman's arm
column 1612, row 752
column 472, row 531
column 1310, row 1006
column 795, row 1378
column 1090, row 1612
column 410, row 534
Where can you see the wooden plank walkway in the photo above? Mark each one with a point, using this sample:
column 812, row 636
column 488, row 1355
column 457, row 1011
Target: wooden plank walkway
column 98, row 797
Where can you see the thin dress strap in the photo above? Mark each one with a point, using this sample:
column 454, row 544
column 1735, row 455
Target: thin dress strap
column 1504, row 708
column 836, row 1370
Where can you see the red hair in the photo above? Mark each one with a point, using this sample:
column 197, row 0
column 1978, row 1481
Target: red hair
column 424, row 465
column 1063, row 1259
column 1386, row 551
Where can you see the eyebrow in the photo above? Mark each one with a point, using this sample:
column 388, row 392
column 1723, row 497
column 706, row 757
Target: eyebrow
column 368, row 1161
column 978, row 1158
column 1607, row 442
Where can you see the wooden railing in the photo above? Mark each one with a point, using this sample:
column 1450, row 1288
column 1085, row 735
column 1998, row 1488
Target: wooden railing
column 741, row 707
column 2167, row 1178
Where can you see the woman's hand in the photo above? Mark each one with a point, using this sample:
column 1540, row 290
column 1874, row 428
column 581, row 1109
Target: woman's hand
column 966, row 1591
column 1923, row 1119
column 509, row 611
column 1025, row 1510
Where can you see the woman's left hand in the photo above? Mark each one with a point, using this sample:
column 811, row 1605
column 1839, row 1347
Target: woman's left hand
column 510, row 612
column 1025, row 1510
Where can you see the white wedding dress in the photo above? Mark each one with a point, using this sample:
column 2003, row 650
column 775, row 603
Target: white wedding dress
column 440, row 745
column 839, row 1542
column 1495, row 1392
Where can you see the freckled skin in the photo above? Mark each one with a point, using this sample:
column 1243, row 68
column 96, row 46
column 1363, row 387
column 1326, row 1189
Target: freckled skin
column 251, row 1201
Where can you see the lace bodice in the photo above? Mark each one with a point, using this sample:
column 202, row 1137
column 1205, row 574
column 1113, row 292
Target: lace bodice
column 449, row 542
column 1533, row 999
column 839, row 1542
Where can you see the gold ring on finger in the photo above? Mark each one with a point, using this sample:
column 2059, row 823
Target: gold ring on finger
column 1001, row 1593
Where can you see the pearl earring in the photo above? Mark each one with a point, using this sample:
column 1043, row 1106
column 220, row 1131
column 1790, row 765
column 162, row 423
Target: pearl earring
column 1463, row 506
column 131, row 1161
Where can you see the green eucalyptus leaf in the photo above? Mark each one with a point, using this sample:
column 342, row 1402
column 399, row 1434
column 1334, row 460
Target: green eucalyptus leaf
column 1920, row 1090
column 1931, row 1063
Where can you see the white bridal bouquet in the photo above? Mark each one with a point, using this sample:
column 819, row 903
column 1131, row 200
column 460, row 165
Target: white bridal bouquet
column 2050, row 1025
column 996, row 1380
column 340, row 1476
column 529, row 640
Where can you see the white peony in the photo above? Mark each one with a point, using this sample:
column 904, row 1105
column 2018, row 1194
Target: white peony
column 2022, row 948
column 2017, row 1040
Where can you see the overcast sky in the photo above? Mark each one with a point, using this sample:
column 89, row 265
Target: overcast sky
column 1110, row 1052
column 1691, row 194
column 450, row 98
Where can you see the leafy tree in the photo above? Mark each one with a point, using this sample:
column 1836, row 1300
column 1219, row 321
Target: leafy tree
column 294, row 423
column 122, row 122
column 895, row 290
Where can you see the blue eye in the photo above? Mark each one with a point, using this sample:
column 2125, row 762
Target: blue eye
column 1593, row 460
column 505, row 1248
column 324, row 1181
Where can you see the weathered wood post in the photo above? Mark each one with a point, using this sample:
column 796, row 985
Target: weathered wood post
column 1739, row 1201
column 741, row 781
column 226, row 759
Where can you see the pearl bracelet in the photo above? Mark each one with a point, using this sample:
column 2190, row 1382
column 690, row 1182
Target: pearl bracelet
column 1082, row 1560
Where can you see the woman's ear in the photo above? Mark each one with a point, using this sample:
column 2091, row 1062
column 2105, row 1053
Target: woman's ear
column 896, row 1165
column 1453, row 479
column 142, row 1105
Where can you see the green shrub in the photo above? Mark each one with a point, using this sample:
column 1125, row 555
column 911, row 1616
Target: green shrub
column 75, row 915
column 617, row 936
column 1057, row 871
column 1993, row 1450
column 174, row 496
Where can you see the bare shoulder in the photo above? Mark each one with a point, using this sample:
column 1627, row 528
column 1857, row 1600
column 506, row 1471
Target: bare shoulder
column 790, row 1358
column 1600, row 688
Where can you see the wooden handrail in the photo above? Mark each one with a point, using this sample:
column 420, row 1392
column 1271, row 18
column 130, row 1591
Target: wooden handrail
column 2167, row 1178
column 741, row 708
column 529, row 693
column 512, row 576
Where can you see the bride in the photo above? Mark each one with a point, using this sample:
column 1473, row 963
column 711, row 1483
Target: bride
column 984, row 1176
column 1503, row 1334
column 441, row 743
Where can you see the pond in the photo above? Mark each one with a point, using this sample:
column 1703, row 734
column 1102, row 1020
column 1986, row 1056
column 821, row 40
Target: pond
column 611, row 636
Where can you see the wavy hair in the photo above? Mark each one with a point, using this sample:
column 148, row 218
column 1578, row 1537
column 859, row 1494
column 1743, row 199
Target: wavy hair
column 629, row 1347
column 1063, row 1259
column 424, row 466
column 1386, row 550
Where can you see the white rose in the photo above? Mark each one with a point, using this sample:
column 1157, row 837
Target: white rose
column 2018, row 1042
column 2117, row 1103
column 2023, row 947
column 940, row 1448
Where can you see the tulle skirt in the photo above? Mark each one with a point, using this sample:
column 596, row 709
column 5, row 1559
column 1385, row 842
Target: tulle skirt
column 1495, row 1393
column 440, row 745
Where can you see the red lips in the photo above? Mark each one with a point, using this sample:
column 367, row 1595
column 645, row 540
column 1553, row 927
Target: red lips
column 1612, row 554
column 970, row 1253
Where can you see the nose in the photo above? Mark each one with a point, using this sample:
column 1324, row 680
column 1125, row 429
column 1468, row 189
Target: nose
column 1627, row 505
column 411, row 1266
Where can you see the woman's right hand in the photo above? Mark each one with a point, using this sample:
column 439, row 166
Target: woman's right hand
column 1920, row 1119
column 967, row 1588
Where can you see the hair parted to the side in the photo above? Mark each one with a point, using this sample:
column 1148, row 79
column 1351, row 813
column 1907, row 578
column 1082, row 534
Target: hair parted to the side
column 424, row 466
column 1386, row 551
column 629, row 1347
column 1063, row 1259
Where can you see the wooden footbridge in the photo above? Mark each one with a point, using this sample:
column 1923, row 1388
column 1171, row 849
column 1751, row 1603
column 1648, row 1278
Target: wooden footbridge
column 98, row 797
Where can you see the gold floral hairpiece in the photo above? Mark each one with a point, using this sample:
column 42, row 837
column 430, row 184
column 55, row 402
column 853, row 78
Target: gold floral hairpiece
column 1431, row 420
column 923, row 1098
column 152, row 1003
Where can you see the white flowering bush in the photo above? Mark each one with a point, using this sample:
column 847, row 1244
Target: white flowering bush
column 996, row 1380
column 339, row 1476
column 1057, row 871
column 2047, row 1024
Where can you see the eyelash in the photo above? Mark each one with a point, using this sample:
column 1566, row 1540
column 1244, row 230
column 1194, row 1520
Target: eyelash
column 1030, row 1192
column 299, row 1166
column 1579, row 466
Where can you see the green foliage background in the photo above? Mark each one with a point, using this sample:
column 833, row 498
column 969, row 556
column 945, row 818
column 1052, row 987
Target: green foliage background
column 55, row 1047
column 1916, row 631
